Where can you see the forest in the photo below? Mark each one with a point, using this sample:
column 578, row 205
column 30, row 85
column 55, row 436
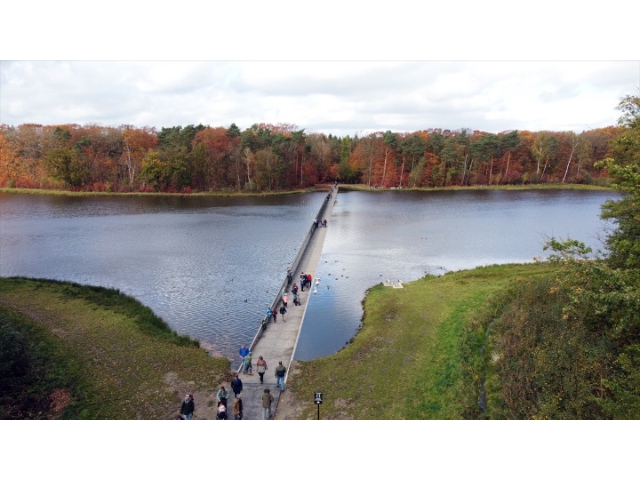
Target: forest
column 266, row 157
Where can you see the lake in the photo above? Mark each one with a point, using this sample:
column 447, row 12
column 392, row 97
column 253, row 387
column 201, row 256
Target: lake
column 209, row 266
column 395, row 235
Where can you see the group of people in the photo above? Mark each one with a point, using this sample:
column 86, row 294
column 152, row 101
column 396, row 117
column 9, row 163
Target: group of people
column 319, row 223
column 305, row 279
column 188, row 405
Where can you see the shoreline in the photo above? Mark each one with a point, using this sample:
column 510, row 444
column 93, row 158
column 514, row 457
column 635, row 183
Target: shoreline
column 316, row 188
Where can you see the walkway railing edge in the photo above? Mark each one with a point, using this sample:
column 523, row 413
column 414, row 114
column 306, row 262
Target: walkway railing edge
column 293, row 267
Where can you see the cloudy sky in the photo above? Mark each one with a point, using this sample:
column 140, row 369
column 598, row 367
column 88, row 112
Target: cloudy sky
column 343, row 97
column 339, row 69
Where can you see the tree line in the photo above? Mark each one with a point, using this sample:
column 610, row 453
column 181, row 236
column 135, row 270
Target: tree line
column 266, row 157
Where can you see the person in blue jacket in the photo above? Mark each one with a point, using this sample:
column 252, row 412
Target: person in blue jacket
column 244, row 351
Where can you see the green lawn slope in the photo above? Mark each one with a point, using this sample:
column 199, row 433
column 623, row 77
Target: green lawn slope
column 77, row 352
column 412, row 358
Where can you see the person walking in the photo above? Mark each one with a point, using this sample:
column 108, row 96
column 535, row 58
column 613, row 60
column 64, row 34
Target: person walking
column 222, row 396
column 248, row 366
column 275, row 315
column 285, row 299
column 187, row 407
column 237, row 408
column 294, row 289
column 267, row 400
column 236, row 386
column 243, row 353
column 283, row 310
column 269, row 314
column 262, row 367
column 281, row 370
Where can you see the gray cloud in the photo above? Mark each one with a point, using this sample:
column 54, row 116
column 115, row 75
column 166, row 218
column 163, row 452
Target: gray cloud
column 331, row 97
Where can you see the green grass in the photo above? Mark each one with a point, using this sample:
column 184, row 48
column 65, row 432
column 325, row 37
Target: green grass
column 114, row 356
column 407, row 361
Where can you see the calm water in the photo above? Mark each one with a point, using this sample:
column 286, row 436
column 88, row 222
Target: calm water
column 405, row 235
column 210, row 266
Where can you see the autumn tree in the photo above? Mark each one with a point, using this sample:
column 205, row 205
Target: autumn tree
column 11, row 165
column 413, row 148
column 545, row 148
column 346, row 172
column 67, row 165
column 136, row 143
column 212, row 159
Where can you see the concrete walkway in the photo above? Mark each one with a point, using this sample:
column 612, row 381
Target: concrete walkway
column 278, row 342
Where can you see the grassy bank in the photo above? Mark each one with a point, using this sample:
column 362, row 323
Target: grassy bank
column 225, row 193
column 540, row 186
column 93, row 353
column 407, row 362
column 344, row 187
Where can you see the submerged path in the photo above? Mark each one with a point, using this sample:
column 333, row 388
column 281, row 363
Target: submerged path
column 277, row 343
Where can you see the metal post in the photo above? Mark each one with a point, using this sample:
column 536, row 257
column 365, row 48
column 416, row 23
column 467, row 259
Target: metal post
column 318, row 401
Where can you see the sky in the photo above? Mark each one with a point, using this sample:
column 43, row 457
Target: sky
column 345, row 97
column 330, row 68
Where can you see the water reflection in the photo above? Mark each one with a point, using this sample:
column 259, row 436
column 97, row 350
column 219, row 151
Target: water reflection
column 207, row 265
column 405, row 235
column 210, row 266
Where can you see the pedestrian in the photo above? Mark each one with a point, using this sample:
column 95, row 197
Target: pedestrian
column 269, row 314
column 236, row 385
column 264, row 327
column 222, row 411
column 309, row 280
column 294, row 289
column 237, row 408
column 267, row 400
column 303, row 280
column 187, row 407
column 222, row 396
column 285, row 299
column 296, row 301
column 275, row 316
column 289, row 276
column 283, row 310
column 243, row 353
column 248, row 366
column 262, row 367
column 281, row 370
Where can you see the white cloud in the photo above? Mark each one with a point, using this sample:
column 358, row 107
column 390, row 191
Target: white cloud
column 332, row 97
